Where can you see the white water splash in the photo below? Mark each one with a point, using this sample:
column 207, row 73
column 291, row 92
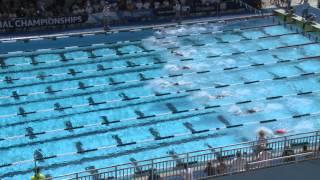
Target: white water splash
column 172, row 67
column 235, row 110
column 273, row 107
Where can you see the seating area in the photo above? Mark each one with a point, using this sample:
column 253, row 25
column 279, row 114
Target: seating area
column 123, row 9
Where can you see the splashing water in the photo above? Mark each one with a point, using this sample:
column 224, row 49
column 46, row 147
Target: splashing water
column 159, row 84
column 235, row 109
column 225, row 62
column 198, row 66
column 171, row 67
column 273, row 106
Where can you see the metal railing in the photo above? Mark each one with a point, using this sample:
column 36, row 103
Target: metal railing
column 213, row 162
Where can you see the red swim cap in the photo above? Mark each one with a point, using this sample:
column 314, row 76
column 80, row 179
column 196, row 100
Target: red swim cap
column 280, row 131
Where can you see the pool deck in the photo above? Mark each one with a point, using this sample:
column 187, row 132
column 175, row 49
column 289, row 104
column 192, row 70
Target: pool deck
column 308, row 170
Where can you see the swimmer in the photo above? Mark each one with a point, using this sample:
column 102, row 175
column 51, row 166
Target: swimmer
column 172, row 67
column 186, row 67
column 253, row 110
column 220, row 96
column 176, row 53
column 180, row 83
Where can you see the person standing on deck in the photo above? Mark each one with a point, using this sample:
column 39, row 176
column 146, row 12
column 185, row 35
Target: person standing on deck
column 178, row 11
column 106, row 14
column 305, row 9
column 187, row 173
column 288, row 5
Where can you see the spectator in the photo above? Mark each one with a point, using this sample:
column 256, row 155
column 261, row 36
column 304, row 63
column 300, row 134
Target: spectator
column 146, row 5
column 305, row 10
column 89, row 8
column 306, row 150
column 165, row 4
column 139, row 5
column 156, row 5
column 288, row 152
column 106, row 16
column 154, row 176
column 178, row 11
column 187, row 173
column 239, row 163
column 264, row 155
column 221, row 167
column 210, row 170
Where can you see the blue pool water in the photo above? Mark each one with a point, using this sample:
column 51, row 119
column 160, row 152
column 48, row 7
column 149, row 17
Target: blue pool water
column 98, row 100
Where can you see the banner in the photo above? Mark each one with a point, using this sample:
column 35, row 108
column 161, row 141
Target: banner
column 39, row 22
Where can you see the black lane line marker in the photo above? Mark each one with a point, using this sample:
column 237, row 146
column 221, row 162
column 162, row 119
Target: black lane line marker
column 48, row 157
column 251, row 82
column 6, row 165
column 244, row 102
column 230, row 68
column 200, row 131
column 222, row 86
column 307, row 74
column 213, row 106
column 268, row 121
column 283, row 61
column 259, row 64
column 163, row 138
column 73, row 128
column 300, row 115
column 233, row 126
column 280, row 78
column 273, row 97
column 192, row 90
column 126, row 144
column 88, row 150
column 304, row 93
column 282, row 47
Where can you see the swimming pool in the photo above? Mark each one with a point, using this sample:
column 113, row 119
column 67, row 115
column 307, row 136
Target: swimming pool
column 96, row 100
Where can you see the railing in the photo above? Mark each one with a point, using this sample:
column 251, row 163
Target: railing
column 213, row 162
